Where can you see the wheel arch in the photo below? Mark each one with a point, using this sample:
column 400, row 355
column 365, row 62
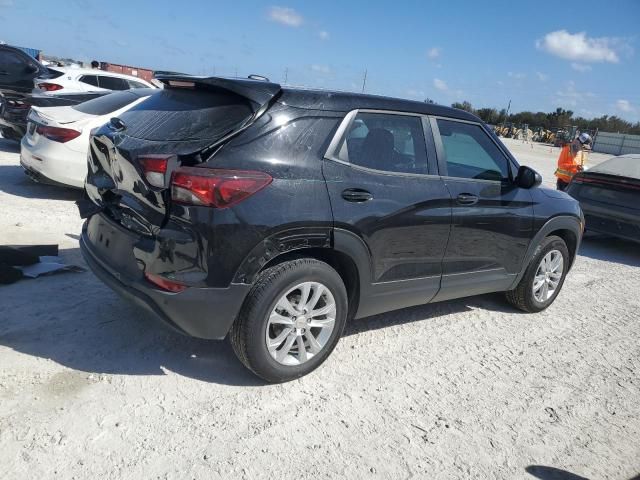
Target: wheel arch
column 343, row 250
column 567, row 227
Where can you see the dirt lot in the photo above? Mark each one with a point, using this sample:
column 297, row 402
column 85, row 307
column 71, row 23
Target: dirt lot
column 91, row 387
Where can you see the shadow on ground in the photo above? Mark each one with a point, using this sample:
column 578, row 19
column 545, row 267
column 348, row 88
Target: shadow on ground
column 76, row 321
column 610, row 249
column 551, row 473
column 14, row 181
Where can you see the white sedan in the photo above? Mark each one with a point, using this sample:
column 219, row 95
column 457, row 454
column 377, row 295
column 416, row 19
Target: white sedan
column 75, row 80
column 55, row 147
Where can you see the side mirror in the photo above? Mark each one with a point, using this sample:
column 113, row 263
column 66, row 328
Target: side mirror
column 31, row 68
column 528, row 177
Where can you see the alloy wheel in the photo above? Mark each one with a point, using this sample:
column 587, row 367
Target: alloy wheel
column 301, row 323
column 548, row 276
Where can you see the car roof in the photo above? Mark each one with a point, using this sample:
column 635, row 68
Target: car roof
column 95, row 71
column 346, row 101
column 262, row 91
column 622, row 166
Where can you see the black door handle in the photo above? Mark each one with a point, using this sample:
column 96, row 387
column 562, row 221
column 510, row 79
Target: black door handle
column 356, row 195
column 467, row 199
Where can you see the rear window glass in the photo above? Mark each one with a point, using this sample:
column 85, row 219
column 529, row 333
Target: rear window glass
column 53, row 73
column 112, row 83
column 89, row 80
column 177, row 114
column 107, row 103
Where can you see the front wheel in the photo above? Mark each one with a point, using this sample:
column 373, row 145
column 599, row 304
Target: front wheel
column 543, row 278
column 292, row 319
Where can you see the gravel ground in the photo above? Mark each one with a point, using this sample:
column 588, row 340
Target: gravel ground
column 91, row 387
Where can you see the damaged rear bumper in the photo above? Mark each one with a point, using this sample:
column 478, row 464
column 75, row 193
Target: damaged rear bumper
column 198, row 312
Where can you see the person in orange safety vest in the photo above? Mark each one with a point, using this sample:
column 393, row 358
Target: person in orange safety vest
column 571, row 160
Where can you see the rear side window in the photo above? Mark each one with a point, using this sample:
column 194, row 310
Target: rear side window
column 106, row 104
column 388, row 142
column 90, row 80
column 11, row 58
column 112, row 83
column 13, row 62
column 470, row 152
column 181, row 114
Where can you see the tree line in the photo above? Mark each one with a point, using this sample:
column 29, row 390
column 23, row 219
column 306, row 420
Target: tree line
column 552, row 120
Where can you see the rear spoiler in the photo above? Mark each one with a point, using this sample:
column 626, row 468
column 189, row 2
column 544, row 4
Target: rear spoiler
column 261, row 92
column 258, row 91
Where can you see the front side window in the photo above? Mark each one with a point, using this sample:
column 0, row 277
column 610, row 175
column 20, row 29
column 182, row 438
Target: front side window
column 470, row 152
column 393, row 143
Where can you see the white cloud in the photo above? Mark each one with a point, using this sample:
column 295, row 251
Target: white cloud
column 579, row 47
column 543, row 77
column 285, row 16
column 440, row 84
column 625, row 106
column 323, row 34
column 517, row 75
column 580, row 67
column 434, row 53
column 324, row 69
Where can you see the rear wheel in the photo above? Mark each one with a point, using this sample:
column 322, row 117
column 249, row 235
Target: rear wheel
column 543, row 278
column 291, row 321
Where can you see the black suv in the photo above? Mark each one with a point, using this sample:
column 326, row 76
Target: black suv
column 272, row 215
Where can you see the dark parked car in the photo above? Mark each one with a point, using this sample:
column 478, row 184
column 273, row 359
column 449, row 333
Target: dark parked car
column 18, row 91
column 609, row 195
column 272, row 215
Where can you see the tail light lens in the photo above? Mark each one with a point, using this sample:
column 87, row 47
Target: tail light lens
column 155, row 168
column 49, row 87
column 214, row 187
column 57, row 134
column 164, row 283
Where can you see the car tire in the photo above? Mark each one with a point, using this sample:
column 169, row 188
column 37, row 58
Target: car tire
column 553, row 251
column 263, row 322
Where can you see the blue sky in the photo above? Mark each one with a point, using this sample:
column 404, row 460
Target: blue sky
column 581, row 56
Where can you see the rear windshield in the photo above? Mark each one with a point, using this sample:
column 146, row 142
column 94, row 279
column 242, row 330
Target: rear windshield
column 53, row 73
column 179, row 114
column 107, row 103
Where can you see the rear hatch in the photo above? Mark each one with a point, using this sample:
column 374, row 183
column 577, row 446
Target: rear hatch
column 604, row 188
column 131, row 159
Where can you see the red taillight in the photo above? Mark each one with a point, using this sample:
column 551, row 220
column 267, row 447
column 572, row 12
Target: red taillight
column 155, row 168
column 57, row 134
column 49, row 87
column 215, row 188
column 164, row 283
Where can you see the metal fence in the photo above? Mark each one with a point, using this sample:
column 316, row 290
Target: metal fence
column 616, row 143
